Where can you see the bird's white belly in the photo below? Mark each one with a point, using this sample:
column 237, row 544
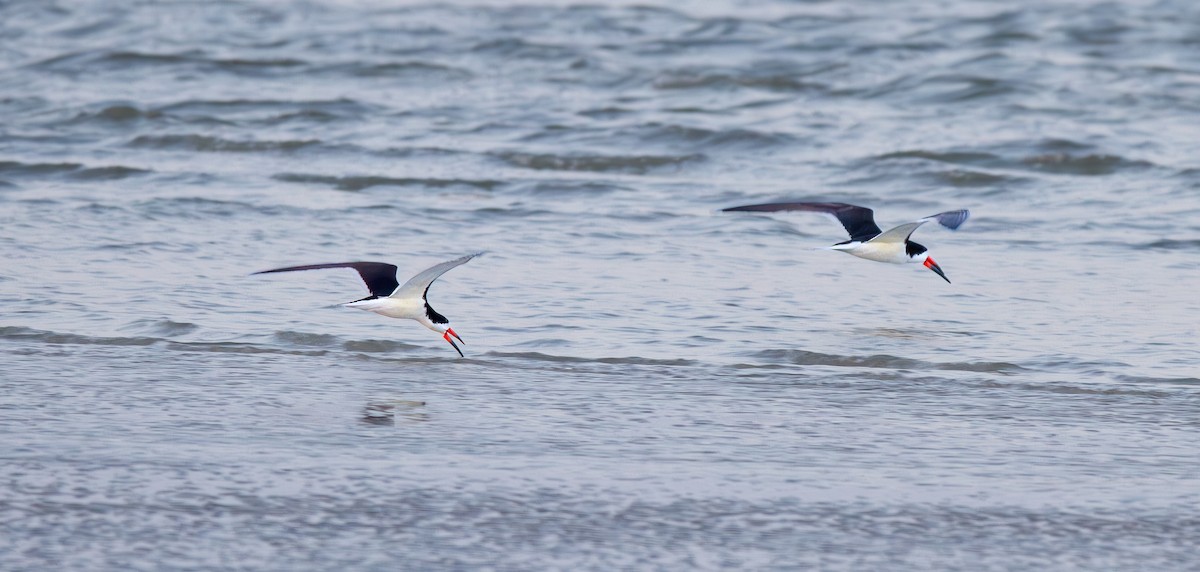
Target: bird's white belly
column 411, row 308
column 878, row 251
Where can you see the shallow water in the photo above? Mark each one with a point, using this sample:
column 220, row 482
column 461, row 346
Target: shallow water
column 649, row 383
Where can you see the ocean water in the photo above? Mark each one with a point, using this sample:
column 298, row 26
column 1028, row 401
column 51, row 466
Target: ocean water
column 649, row 383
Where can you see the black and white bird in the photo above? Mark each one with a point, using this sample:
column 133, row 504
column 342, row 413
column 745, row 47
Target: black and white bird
column 390, row 299
column 866, row 240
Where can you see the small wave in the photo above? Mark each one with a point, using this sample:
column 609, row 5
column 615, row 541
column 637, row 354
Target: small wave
column 938, row 89
column 538, row 356
column 638, row 164
column 163, row 327
column 701, row 140
column 117, row 114
column 30, row 334
column 522, row 49
column 70, row 170
column 1091, row 164
column 412, row 69
column 142, row 58
column 140, row 247
column 18, row 169
column 305, row 339
column 78, row 62
column 377, row 346
column 304, row 116
column 1004, row 38
column 237, row 348
column 610, row 112
column 968, row 178
column 546, row 343
column 209, row 143
column 908, row 333
column 244, row 64
column 785, row 82
column 1173, row 244
column 566, row 187
column 744, row 139
column 113, row 173
column 97, row 61
column 417, row 152
column 1071, row 364
column 365, row 182
column 1160, row 380
column 269, row 110
column 711, row 33
column 1054, row 159
column 200, row 207
column 968, row 88
column 803, row 357
column 167, row 328
column 1070, row 388
column 954, row 157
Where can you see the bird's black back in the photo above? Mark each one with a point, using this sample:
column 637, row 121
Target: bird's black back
column 380, row 277
column 858, row 221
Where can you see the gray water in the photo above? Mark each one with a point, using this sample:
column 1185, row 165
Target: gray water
column 649, row 383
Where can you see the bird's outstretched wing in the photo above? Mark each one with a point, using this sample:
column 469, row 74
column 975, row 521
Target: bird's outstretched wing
column 949, row 219
column 858, row 221
column 419, row 284
column 900, row 233
column 380, row 277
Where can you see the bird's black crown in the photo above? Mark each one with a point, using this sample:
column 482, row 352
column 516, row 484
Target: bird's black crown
column 913, row 249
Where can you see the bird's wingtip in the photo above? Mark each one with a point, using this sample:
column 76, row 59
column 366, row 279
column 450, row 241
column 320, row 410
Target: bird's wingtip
column 955, row 219
column 469, row 257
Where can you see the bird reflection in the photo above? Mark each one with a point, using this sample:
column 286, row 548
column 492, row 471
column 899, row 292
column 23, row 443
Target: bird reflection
column 385, row 413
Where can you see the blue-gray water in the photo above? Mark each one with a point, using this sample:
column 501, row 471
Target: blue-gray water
column 649, row 383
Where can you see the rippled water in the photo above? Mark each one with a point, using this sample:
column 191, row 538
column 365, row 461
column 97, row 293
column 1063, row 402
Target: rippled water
column 649, row 383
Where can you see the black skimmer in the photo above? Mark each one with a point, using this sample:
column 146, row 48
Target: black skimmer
column 866, row 240
column 390, row 299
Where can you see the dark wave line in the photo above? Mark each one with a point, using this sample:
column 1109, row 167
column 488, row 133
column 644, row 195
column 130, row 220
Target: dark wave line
column 803, row 357
column 75, row 171
column 1173, row 244
column 207, row 143
column 95, row 61
column 538, row 356
column 358, row 183
column 637, row 164
column 29, row 334
column 1060, row 158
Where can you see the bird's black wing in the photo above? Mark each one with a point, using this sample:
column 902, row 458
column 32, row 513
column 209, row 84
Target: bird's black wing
column 380, row 277
column 858, row 221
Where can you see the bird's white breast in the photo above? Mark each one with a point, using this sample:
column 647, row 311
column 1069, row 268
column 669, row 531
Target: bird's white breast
column 878, row 251
column 410, row 308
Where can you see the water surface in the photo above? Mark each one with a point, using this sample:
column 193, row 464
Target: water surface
column 649, row 383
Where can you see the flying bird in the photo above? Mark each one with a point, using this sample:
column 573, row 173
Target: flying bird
column 866, row 239
column 391, row 299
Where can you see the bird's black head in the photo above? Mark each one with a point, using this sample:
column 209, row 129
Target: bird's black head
column 918, row 253
column 441, row 324
column 434, row 316
column 914, row 249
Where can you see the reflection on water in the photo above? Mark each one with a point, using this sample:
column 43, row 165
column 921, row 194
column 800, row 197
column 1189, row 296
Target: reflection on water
column 386, row 413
